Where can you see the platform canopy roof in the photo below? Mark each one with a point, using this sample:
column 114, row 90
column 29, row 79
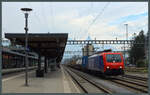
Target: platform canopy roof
column 51, row 45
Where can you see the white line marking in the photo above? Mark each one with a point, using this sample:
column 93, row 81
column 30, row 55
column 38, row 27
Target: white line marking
column 77, row 89
column 13, row 77
column 65, row 83
column 70, row 79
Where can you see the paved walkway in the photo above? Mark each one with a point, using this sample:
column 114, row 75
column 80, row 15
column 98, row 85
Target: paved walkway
column 53, row 82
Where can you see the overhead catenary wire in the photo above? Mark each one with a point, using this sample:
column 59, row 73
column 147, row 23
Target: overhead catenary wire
column 99, row 14
column 52, row 16
column 44, row 17
column 89, row 11
column 35, row 14
column 126, row 21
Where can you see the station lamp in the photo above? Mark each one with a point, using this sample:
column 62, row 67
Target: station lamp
column 26, row 12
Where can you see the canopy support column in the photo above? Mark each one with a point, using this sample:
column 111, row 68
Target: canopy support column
column 39, row 71
column 39, row 62
column 45, row 64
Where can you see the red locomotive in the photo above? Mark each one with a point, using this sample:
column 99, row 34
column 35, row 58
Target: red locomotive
column 108, row 63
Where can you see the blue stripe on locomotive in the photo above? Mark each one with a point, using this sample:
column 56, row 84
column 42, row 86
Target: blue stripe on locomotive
column 98, row 63
column 101, row 64
column 95, row 63
column 84, row 61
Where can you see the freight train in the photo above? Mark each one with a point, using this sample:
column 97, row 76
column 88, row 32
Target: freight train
column 106, row 63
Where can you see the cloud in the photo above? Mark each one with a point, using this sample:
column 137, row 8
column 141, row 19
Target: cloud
column 74, row 18
column 129, row 18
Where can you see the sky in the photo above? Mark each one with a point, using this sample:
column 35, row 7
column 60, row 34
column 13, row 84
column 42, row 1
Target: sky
column 97, row 20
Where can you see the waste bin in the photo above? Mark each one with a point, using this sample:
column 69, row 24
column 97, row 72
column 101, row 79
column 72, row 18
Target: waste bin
column 40, row 73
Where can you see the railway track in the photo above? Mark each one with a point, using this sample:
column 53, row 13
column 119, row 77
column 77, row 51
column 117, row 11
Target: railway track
column 134, row 83
column 135, row 77
column 136, row 86
column 15, row 70
column 87, row 86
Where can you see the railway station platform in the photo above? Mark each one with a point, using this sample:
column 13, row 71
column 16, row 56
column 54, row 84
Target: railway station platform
column 53, row 82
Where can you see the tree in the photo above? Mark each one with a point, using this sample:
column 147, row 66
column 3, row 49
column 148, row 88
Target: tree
column 137, row 52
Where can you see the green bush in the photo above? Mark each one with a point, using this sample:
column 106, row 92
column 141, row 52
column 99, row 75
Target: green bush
column 142, row 63
column 146, row 63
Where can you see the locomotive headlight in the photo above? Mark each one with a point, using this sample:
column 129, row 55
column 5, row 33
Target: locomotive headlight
column 120, row 66
column 107, row 67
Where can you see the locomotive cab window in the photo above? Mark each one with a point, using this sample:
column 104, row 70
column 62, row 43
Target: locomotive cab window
column 113, row 58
